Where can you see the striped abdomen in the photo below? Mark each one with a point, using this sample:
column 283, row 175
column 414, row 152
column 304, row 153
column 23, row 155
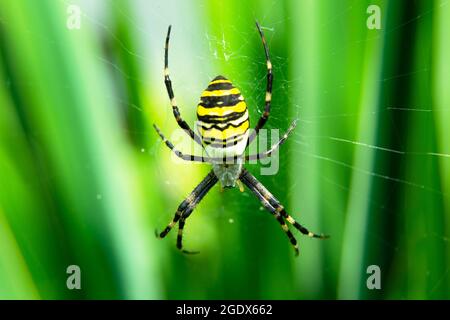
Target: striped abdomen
column 223, row 121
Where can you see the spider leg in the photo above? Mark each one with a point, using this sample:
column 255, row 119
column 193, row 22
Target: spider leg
column 180, row 238
column 265, row 202
column 187, row 206
column 178, row 153
column 276, row 204
column 271, row 203
column 168, row 82
column 268, row 153
column 189, row 210
column 266, row 112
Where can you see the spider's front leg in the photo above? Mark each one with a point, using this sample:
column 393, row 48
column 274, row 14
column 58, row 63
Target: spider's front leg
column 187, row 206
column 168, row 82
column 274, row 206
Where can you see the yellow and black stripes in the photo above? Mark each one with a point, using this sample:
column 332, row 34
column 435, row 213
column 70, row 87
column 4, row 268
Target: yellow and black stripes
column 214, row 143
column 176, row 112
column 222, row 114
column 274, row 207
column 187, row 206
column 213, row 119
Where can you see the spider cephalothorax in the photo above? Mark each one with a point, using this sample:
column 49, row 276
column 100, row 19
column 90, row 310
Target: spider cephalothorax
column 223, row 125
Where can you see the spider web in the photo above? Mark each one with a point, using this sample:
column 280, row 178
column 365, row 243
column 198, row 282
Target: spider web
column 193, row 57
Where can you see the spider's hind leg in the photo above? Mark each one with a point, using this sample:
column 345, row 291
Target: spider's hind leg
column 180, row 238
column 301, row 228
column 245, row 178
column 170, row 225
column 286, row 230
column 187, row 206
column 200, row 192
column 279, row 208
column 274, row 206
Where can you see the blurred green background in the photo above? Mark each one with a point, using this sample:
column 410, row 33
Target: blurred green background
column 85, row 180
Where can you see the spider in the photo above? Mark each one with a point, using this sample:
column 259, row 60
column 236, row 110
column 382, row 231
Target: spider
column 223, row 125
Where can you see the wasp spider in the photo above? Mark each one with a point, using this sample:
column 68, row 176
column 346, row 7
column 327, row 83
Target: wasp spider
column 223, row 125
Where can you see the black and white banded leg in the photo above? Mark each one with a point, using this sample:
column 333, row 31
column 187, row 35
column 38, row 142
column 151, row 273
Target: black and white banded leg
column 245, row 179
column 274, row 206
column 187, row 206
column 168, row 82
column 268, row 100
column 269, row 152
column 178, row 153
